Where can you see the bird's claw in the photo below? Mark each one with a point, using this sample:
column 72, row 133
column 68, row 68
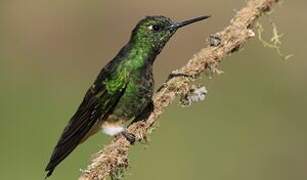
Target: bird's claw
column 129, row 136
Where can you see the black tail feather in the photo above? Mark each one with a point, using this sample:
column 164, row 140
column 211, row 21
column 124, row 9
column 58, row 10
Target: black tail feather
column 49, row 173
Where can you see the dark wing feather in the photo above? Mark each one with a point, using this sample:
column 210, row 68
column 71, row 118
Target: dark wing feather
column 97, row 104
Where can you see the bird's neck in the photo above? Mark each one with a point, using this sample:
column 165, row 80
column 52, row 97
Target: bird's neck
column 139, row 55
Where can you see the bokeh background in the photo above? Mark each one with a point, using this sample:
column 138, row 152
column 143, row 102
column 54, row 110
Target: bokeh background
column 251, row 126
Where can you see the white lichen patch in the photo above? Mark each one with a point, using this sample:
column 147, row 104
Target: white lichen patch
column 195, row 94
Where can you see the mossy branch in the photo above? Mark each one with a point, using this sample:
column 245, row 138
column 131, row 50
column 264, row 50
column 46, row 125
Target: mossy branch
column 114, row 157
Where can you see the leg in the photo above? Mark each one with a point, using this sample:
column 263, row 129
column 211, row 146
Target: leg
column 129, row 136
column 142, row 116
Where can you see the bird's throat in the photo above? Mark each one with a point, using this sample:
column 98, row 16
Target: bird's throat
column 140, row 55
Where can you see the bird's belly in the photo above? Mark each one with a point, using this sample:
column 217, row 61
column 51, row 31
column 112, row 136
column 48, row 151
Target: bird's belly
column 133, row 101
column 129, row 107
column 126, row 109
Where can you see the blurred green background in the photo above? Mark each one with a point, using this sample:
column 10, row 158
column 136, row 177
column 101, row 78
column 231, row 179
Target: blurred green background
column 252, row 125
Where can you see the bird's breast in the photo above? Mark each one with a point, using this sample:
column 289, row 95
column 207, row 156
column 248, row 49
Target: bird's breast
column 136, row 97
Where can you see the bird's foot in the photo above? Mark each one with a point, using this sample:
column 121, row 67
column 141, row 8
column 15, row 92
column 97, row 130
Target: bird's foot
column 129, row 136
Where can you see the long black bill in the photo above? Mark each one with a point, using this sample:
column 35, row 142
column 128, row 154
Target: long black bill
column 190, row 21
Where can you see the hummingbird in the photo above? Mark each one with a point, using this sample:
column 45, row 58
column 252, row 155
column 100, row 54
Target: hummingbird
column 122, row 91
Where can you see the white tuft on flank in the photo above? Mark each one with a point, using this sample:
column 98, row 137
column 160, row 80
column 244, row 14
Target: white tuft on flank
column 112, row 130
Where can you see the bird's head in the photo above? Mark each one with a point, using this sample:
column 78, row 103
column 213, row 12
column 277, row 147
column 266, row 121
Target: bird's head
column 155, row 31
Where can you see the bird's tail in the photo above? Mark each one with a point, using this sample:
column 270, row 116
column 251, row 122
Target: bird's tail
column 49, row 173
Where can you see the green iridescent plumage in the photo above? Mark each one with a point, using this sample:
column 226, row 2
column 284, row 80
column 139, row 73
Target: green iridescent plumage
column 124, row 87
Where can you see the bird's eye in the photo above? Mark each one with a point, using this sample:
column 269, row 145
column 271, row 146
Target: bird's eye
column 155, row 27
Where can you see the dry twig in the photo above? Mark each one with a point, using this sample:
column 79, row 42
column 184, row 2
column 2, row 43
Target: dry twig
column 114, row 157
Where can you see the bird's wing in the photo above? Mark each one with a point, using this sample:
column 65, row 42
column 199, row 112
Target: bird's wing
column 97, row 105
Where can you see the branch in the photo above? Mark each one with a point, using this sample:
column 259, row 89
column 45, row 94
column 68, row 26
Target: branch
column 114, row 157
